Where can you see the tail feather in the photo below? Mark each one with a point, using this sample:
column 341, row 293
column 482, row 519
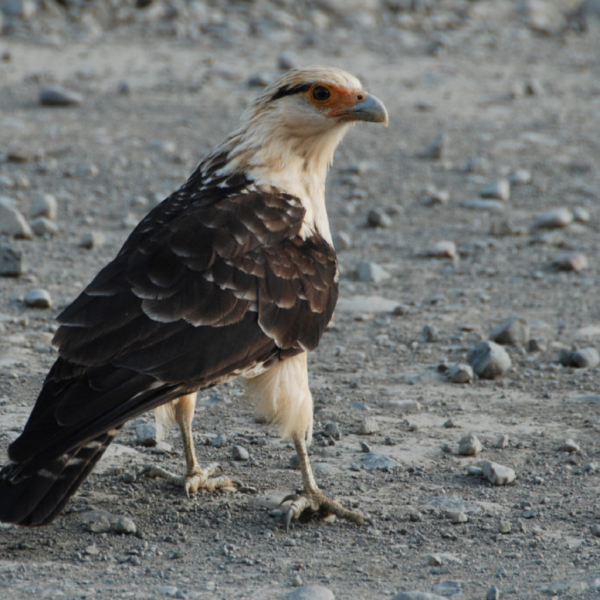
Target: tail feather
column 35, row 497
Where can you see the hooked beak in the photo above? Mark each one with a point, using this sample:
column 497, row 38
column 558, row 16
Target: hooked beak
column 371, row 109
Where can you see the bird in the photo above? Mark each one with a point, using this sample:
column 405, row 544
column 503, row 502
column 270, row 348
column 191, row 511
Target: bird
column 232, row 275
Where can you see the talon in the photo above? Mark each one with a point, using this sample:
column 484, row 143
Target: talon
column 289, row 498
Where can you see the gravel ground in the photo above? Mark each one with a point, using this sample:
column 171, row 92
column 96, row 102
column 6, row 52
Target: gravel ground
column 448, row 225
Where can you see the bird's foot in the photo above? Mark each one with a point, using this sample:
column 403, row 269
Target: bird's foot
column 313, row 501
column 196, row 479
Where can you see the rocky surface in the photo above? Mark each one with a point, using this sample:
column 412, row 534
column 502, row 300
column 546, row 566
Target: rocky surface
column 486, row 98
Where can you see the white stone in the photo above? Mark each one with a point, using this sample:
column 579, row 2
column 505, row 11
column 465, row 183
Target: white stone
column 497, row 474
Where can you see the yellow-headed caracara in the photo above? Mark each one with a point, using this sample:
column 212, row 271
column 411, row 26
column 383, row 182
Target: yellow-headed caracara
column 232, row 275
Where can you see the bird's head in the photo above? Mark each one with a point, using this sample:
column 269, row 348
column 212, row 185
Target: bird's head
column 304, row 115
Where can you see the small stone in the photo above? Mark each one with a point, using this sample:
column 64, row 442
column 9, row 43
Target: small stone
column 38, row 298
column 11, row 262
column 502, row 441
column 124, row 525
column 286, row 61
column 12, row 222
column 260, row 80
column 504, row 527
column 493, row 593
column 240, row 453
column 145, row 434
column 92, row 550
column 585, row 358
column 43, row 226
column 499, row 190
column 434, row 197
column 520, row 177
column 514, row 330
column 557, row 218
column 368, row 426
column 376, row 217
column 44, row 205
column 416, row 595
column 59, row 96
column 415, row 517
column 364, row 447
column 596, row 530
column 581, row 215
column 534, row 345
column 570, row 445
column 489, row 360
column 438, row 149
column 469, row 445
column 372, row 272
column 533, row 87
column 570, row 261
column 342, row 241
column 92, row 239
column 311, row 592
column 333, row 431
column 442, row 249
column 377, row 461
column 474, row 471
column 218, row 441
column 434, row 560
column 460, row 373
column 429, row 334
column 457, row 517
column 481, row 204
column 478, row 164
column 497, row 474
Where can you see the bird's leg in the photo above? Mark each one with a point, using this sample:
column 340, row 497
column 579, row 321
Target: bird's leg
column 196, row 477
column 312, row 499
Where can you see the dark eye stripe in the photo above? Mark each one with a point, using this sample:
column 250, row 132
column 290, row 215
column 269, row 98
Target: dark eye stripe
column 290, row 91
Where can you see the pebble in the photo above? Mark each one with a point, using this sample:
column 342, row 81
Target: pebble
column 502, row 441
column 376, row 461
column 56, row 95
column 478, row 164
column 460, row 373
column 585, row 358
column 570, row 261
column 287, row 60
column 372, row 272
column 469, row 445
column 416, row 595
column 474, row 471
column 489, row 360
column 43, row 226
column 482, row 204
column 581, row 215
column 342, row 241
column 12, row 222
column 434, row 560
column 124, row 525
column 504, row 527
column 333, row 430
column 376, row 217
column 452, row 504
column 218, row 441
column 556, row 218
column 493, row 593
column 570, row 445
column 11, row 262
column 499, row 190
column 520, row 177
column 311, row 592
column 92, row 239
column 145, row 434
column 457, row 517
column 44, row 205
column 434, row 197
column 596, row 530
column 430, row 334
column 240, row 453
column 442, row 249
column 514, row 330
column 38, row 298
column 497, row 474
column 368, row 426
column 438, row 149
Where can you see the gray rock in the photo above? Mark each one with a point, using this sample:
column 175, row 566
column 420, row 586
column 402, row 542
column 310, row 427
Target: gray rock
column 286, row 61
column 442, row 249
column 489, row 360
column 585, row 358
column 570, row 445
column 520, row 177
column 44, row 205
column 481, row 204
column 452, row 504
column 43, row 226
column 469, row 445
column 429, row 334
column 124, row 525
column 376, row 217
column 145, row 434
column 493, row 593
column 438, row 149
column 497, row 474
column 92, row 239
column 24, row 9
column 460, row 373
column 376, row 461
column 416, row 595
column 434, row 197
column 581, row 215
column 240, row 453
column 311, row 592
column 56, row 95
column 478, row 164
column 372, row 272
column 499, row 190
column 38, row 298
column 514, row 330
column 12, row 222
column 570, row 261
column 342, row 241
column 333, row 430
column 504, row 527
column 11, row 262
column 556, row 218
column 368, row 426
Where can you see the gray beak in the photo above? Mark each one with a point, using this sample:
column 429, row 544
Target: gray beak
column 371, row 109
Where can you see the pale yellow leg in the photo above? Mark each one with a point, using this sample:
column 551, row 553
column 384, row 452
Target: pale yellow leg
column 195, row 478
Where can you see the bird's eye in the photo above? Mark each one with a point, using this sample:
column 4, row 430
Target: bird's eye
column 321, row 94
